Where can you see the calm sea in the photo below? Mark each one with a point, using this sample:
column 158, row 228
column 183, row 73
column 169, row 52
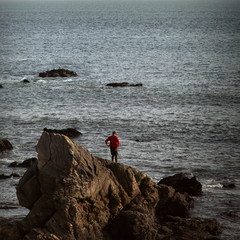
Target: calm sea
column 185, row 118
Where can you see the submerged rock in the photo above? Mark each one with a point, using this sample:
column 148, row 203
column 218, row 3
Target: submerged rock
column 25, row 81
column 5, row 145
column 70, row 132
column 229, row 185
column 124, row 84
column 58, row 73
column 3, row 176
column 1, row 86
column 25, row 164
column 73, row 195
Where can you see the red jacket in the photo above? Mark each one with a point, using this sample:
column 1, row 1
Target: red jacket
column 114, row 141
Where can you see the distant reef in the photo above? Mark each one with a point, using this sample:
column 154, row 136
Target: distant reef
column 73, row 195
column 58, row 73
column 124, row 84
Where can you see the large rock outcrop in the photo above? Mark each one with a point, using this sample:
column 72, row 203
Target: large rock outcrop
column 73, row 195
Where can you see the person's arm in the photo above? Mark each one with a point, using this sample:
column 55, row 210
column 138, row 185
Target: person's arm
column 118, row 141
column 106, row 141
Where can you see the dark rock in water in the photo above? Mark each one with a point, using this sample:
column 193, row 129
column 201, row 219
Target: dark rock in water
column 213, row 238
column 14, row 175
column 181, row 183
column 73, row 195
column 25, row 81
column 1, row 86
column 5, row 145
column 70, row 132
column 25, row 164
column 8, row 207
column 124, row 84
column 229, row 185
column 3, row 176
column 58, row 73
column 230, row 213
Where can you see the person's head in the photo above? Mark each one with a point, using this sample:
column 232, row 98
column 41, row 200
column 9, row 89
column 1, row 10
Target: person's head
column 113, row 133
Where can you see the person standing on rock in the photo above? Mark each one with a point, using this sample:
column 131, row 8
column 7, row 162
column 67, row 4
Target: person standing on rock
column 113, row 142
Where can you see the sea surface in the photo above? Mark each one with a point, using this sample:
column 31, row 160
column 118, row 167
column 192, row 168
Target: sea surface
column 185, row 118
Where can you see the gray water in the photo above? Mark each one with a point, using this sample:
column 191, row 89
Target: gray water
column 185, row 118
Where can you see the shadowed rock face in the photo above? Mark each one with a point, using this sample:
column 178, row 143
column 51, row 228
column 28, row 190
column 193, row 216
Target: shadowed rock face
column 73, row 195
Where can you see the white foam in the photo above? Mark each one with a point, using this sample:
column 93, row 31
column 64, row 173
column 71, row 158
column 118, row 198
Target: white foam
column 42, row 81
column 68, row 80
column 217, row 185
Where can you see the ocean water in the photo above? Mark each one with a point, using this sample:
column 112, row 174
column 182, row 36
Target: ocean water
column 185, row 118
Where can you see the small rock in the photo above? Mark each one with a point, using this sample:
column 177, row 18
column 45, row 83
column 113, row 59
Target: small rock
column 25, row 81
column 15, row 175
column 1, row 86
column 3, row 176
column 230, row 213
column 25, row 164
column 181, row 183
column 229, row 185
column 70, row 132
column 124, row 84
column 5, row 145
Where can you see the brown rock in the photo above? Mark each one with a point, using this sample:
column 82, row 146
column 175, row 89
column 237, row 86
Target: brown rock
column 5, row 145
column 182, row 183
column 73, row 195
column 173, row 203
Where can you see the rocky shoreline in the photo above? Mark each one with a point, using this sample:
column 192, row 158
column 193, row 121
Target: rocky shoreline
column 73, row 195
